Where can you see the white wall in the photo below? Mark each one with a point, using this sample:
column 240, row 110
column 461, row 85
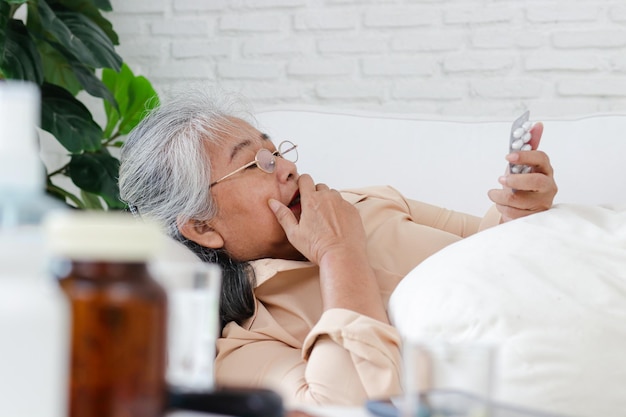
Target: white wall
column 448, row 57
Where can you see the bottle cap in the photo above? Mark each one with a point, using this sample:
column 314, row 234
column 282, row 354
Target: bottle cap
column 102, row 236
column 21, row 167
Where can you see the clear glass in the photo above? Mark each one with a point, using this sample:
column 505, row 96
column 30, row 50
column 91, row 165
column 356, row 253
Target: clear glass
column 193, row 290
column 430, row 366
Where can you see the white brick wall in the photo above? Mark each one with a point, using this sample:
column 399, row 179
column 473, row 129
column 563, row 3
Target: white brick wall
column 450, row 57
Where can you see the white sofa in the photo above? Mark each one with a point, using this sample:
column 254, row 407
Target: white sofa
column 548, row 290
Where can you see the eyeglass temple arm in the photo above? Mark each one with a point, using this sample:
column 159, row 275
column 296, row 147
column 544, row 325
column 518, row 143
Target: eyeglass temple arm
column 233, row 173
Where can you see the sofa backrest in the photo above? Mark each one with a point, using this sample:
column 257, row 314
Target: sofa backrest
column 450, row 163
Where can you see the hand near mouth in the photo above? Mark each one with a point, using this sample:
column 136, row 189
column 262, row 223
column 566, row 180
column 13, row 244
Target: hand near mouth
column 327, row 222
column 330, row 234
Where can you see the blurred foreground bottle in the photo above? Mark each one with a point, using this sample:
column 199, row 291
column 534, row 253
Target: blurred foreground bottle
column 118, row 342
column 34, row 313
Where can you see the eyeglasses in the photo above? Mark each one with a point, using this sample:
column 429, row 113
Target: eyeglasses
column 265, row 159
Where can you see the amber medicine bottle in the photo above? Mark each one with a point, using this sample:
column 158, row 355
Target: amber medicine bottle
column 118, row 336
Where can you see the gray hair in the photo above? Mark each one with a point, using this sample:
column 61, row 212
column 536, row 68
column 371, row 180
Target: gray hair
column 165, row 174
column 165, row 171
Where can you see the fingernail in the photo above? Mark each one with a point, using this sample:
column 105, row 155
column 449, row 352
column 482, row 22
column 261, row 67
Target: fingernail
column 502, row 180
column 512, row 157
column 274, row 204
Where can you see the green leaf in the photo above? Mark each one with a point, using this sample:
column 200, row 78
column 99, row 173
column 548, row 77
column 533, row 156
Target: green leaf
column 5, row 16
column 104, row 5
column 97, row 173
column 90, row 8
column 142, row 98
column 113, row 118
column 57, row 69
column 82, row 38
column 91, row 83
column 63, row 195
column 134, row 95
column 15, row 1
column 19, row 58
column 62, row 69
column 69, row 120
column 93, row 37
column 116, row 83
column 92, row 201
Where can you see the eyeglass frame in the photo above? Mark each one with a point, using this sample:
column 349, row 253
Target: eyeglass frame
column 274, row 154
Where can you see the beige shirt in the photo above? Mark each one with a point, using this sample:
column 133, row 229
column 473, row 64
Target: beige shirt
column 337, row 356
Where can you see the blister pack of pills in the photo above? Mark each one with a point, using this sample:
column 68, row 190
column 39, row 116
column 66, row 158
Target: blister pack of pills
column 519, row 140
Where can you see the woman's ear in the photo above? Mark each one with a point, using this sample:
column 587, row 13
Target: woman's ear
column 201, row 233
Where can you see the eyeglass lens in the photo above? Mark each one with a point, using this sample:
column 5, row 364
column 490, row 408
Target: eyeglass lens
column 288, row 151
column 266, row 161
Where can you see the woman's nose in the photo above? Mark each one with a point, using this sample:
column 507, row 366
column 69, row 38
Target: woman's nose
column 286, row 170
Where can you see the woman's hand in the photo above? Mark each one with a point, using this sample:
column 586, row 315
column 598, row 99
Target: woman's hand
column 327, row 223
column 330, row 233
column 524, row 194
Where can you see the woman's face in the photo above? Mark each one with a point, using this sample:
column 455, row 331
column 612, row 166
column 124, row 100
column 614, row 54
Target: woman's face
column 248, row 228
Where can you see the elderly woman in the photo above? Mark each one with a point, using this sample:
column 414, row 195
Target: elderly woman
column 308, row 270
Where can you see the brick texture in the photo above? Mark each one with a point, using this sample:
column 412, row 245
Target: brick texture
column 559, row 58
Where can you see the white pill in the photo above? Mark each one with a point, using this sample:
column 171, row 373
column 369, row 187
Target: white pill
column 518, row 133
column 527, row 125
column 517, row 144
column 516, row 169
column 526, row 147
column 526, row 137
column 526, row 169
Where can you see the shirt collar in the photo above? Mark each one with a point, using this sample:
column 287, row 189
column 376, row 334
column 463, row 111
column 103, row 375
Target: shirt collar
column 265, row 269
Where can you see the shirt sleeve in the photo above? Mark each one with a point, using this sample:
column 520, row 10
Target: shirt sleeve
column 384, row 201
column 345, row 359
column 403, row 232
column 372, row 349
column 460, row 224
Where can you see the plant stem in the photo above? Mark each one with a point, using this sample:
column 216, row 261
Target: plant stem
column 58, row 171
column 75, row 200
column 111, row 139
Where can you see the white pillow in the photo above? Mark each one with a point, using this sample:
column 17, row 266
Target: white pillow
column 550, row 291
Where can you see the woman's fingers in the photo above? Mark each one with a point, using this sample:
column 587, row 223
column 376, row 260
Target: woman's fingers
column 537, row 160
column 285, row 217
column 536, row 132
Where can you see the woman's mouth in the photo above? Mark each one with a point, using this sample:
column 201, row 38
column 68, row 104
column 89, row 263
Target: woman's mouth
column 294, row 204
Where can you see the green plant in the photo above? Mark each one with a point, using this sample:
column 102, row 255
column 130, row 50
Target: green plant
column 68, row 46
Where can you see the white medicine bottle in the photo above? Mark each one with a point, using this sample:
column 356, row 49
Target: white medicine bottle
column 34, row 312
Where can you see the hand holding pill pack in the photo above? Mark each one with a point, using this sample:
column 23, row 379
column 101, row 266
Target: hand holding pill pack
column 519, row 140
